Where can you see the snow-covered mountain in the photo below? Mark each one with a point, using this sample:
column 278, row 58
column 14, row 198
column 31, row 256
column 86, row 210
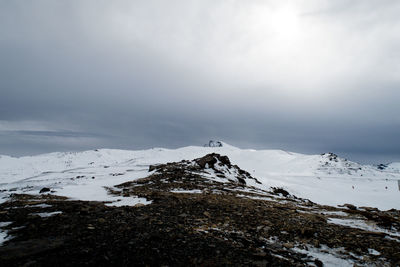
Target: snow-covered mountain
column 326, row 179
column 392, row 167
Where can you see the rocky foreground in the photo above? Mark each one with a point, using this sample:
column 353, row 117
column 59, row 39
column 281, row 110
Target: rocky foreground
column 203, row 212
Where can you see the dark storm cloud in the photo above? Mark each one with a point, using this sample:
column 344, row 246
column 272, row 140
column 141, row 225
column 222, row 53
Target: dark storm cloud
column 307, row 76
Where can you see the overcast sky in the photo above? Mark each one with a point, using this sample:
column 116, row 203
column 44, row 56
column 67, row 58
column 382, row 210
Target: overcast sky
column 308, row 76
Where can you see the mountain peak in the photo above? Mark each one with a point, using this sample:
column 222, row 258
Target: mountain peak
column 213, row 143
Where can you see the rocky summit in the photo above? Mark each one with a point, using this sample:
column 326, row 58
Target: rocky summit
column 204, row 212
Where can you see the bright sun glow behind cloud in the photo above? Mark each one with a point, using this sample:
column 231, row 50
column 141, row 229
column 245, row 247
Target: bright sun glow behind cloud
column 263, row 44
column 285, row 23
column 276, row 37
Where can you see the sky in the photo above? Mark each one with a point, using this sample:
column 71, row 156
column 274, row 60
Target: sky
column 309, row 76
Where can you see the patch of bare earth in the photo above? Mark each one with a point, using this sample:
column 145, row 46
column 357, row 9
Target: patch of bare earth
column 203, row 212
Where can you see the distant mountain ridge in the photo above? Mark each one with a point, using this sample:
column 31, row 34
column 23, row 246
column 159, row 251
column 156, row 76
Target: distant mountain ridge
column 320, row 178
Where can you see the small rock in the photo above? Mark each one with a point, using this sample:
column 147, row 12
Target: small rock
column 241, row 180
column 288, row 245
column 209, row 159
column 153, row 167
column 280, row 191
column 350, row 206
column 318, row 263
column 207, row 214
column 44, row 190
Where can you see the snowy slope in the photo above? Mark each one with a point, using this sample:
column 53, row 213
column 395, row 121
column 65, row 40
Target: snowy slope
column 393, row 167
column 325, row 179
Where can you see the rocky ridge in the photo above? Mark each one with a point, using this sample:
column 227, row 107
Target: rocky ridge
column 203, row 212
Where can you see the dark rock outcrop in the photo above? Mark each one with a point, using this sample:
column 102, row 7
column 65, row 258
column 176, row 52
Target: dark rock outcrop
column 201, row 214
column 44, row 190
column 213, row 143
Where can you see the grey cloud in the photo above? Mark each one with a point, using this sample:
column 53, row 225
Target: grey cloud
column 50, row 133
column 131, row 74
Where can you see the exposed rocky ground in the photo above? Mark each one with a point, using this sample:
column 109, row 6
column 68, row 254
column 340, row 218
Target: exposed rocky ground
column 203, row 212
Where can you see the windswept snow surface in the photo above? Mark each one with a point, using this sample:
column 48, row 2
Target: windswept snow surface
column 325, row 179
column 393, row 167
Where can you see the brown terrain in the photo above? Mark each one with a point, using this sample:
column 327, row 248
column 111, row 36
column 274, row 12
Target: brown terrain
column 203, row 213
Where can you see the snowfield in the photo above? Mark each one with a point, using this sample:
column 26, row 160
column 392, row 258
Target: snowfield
column 324, row 179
